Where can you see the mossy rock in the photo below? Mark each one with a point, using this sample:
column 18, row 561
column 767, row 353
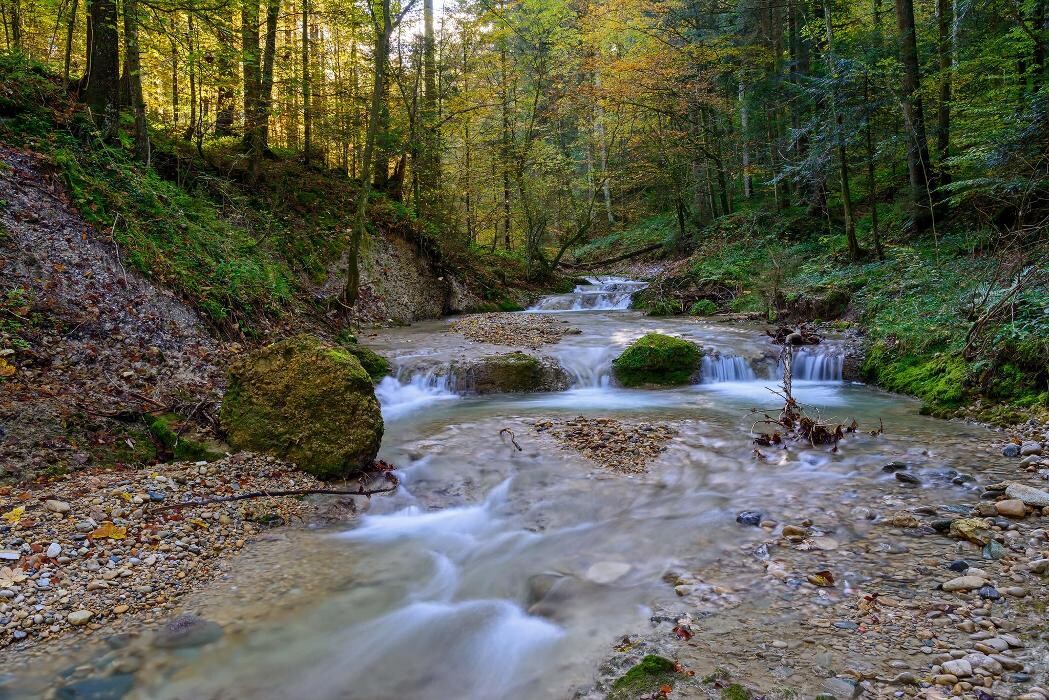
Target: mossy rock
column 657, row 359
column 646, row 677
column 373, row 363
column 513, row 372
column 306, row 402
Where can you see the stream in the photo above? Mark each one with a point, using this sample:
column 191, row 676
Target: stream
column 503, row 573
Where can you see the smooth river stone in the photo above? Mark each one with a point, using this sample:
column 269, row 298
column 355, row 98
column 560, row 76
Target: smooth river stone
column 606, row 571
column 964, row 583
column 1028, row 494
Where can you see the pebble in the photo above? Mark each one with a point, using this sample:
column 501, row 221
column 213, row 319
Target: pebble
column 958, row 667
column 1011, row 450
column 79, row 617
column 749, row 517
column 1030, row 448
column 10, row 555
column 989, row 593
column 1011, row 508
column 53, row 550
column 56, row 506
column 958, row 565
column 964, row 583
column 187, row 631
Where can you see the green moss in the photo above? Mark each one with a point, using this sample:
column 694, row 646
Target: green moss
column 940, row 381
column 657, row 359
column 735, row 692
column 304, row 401
column 373, row 363
column 747, row 302
column 126, row 445
column 662, row 307
column 646, row 677
column 703, row 307
column 181, row 448
column 514, row 372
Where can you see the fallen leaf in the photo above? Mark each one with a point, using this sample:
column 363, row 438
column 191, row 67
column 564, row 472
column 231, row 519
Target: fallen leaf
column 665, row 690
column 14, row 515
column 199, row 523
column 9, row 576
column 125, row 495
column 108, row 530
column 683, row 632
column 6, row 368
column 822, row 578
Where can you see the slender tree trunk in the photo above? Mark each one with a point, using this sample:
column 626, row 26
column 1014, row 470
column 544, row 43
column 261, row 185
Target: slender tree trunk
column 945, row 21
column 252, row 70
column 16, row 25
column 70, row 31
column 102, row 94
column 134, row 71
column 505, row 151
column 429, row 144
column 872, row 185
column 919, row 167
column 602, row 151
column 225, row 106
column 382, row 50
column 191, row 63
column 1041, row 32
column 744, row 123
column 266, row 79
column 307, row 113
column 839, row 138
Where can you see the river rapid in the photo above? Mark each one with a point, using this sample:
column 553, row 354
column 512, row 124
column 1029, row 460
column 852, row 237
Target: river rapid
column 497, row 572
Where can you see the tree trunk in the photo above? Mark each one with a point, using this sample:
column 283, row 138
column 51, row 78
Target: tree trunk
column 70, row 31
column 839, row 139
column 945, row 22
column 918, row 165
column 507, row 137
column 382, row 49
column 133, row 61
column 102, row 94
column 16, row 26
column 307, row 114
column 744, row 124
column 266, row 80
column 252, row 70
column 429, row 144
column 1041, row 32
column 872, row 186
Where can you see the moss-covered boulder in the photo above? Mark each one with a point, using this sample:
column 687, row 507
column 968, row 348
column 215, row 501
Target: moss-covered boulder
column 645, row 678
column 373, row 363
column 657, row 359
column 512, row 372
column 306, row 402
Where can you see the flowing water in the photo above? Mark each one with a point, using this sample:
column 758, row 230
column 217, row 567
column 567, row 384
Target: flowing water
column 504, row 573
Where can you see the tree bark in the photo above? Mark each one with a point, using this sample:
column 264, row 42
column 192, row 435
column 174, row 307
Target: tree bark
column 839, row 140
column 252, row 71
column 133, row 54
column 945, row 22
column 918, row 165
column 70, row 31
column 102, row 93
column 266, row 80
column 307, row 113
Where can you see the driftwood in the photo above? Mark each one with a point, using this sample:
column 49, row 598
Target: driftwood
column 513, row 438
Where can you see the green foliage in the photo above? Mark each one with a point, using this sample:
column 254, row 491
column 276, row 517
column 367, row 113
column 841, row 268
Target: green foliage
column 735, row 692
column 164, row 431
column 29, row 97
column 657, row 359
column 662, row 307
column 703, row 307
column 645, row 677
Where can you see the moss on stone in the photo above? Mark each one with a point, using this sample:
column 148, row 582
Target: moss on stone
column 373, row 363
column 302, row 400
column 645, row 677
column 513, row 372
column 657, row 359
column 163, row 429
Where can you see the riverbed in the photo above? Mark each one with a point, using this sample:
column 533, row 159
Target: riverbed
column 525, row 571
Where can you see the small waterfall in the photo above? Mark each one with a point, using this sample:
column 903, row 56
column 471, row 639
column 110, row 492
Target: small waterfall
column 816, row 364
column 398, row 396
column 599, row 294
column 726, row 368
column 590, row 367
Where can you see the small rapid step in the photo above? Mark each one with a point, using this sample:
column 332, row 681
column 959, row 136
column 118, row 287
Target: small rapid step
column 599, row 294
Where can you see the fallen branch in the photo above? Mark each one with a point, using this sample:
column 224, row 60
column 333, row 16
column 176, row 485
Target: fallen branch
column 617, row 258
column 513, row 438
column 273, row 494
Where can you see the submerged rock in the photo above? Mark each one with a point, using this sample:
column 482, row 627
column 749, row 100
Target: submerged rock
column 1028, row 494
column 187, row 631
column 306, row 402
column 657, row 359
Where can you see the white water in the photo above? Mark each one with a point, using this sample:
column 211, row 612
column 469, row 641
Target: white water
column 822, row 364
column 399, row 397
column 600, row 294
column 726, row 368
